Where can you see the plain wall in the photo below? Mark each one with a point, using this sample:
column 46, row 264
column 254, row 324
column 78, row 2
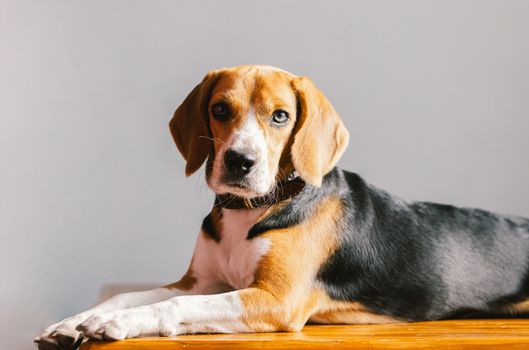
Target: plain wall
column 92, row 191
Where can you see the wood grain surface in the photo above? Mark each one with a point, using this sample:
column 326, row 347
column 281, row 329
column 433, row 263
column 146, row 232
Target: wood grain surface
column 458, row 334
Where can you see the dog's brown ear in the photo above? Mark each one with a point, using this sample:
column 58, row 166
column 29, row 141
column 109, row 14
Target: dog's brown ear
column 320, row 136
column 190, row 124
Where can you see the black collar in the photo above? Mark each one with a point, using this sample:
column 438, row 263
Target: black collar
column 283, row 190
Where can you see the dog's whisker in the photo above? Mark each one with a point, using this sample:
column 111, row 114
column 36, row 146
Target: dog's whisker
column 214, row 139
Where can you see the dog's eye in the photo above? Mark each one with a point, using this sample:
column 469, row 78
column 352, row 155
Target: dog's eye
column 280, row 117
column 220, row 111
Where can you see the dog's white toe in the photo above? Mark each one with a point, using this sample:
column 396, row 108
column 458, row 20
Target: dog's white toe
column 62, row 335
column 109, row 326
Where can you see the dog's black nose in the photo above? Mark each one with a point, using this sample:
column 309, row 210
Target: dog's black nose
column 238, row 163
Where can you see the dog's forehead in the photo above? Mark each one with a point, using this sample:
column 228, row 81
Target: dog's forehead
column 254, row 84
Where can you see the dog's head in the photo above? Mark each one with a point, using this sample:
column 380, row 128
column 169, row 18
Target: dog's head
column 255, row 125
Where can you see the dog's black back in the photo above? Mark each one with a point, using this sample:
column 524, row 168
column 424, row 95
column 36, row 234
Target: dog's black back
column 416, row 260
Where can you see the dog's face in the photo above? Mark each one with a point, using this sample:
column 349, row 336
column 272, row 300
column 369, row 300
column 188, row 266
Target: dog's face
column 255, row 125
column 251, row 117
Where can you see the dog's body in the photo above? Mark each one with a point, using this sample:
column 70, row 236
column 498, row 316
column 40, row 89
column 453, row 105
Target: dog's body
column 291, row 238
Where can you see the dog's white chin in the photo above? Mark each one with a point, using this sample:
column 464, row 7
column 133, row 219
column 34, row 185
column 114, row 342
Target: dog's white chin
column 249, row 192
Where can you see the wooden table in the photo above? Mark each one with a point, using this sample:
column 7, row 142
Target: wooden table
column 459, row 334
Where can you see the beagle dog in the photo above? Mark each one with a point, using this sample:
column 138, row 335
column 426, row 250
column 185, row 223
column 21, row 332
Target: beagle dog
column 291, row 238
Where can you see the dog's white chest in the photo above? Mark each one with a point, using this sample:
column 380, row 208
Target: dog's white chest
column 236, row 256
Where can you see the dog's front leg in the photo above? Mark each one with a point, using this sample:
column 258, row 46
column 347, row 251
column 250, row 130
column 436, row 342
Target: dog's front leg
column 198, row 280
column 64, row 335
column 246, row 310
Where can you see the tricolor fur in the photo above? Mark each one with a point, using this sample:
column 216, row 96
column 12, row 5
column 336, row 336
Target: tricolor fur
column 339, row 251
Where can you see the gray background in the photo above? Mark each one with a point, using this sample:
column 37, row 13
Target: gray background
column 92, row 191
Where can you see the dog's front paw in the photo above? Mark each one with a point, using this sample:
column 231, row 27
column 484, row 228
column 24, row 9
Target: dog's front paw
column 129, row 323
column 109, row 326
column 61, row 335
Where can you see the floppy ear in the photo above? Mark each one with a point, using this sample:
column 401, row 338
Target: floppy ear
column 190, row 124
column 320, row 136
